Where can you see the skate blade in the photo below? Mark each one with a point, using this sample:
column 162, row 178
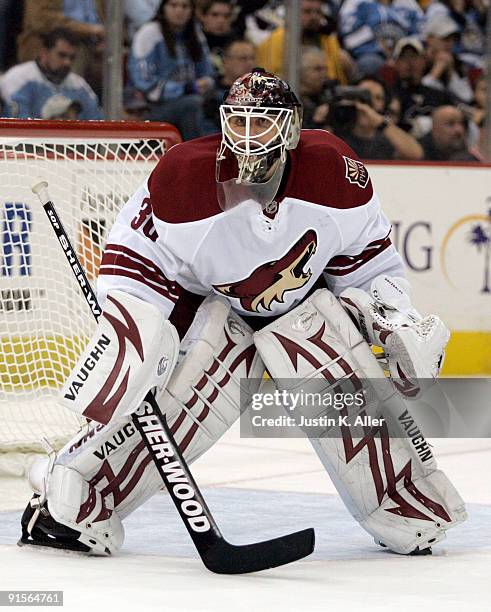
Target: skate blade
column 75, row 549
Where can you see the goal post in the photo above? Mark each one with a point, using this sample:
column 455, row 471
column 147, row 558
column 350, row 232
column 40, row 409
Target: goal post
column 92, row 169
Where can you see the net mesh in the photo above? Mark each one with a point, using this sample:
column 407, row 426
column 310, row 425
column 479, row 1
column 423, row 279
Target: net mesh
column 44, row 320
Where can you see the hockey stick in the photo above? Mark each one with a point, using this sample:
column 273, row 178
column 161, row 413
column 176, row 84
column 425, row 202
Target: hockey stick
column 217, row 554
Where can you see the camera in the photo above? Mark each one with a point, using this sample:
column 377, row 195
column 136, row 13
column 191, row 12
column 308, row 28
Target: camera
column 342, row 109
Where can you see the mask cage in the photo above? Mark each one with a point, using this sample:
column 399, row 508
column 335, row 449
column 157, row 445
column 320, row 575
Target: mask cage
column 247, row 148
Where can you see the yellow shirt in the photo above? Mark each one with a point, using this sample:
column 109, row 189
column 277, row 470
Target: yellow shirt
column 269, row 55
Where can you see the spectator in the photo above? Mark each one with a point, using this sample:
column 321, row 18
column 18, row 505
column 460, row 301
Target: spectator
column 169, row 64
column 83, row 18
column 135, row 106
column 370, row 29
column 478, row 112
column 339, row 64
column 59, row 107
column 444, row 72
column 373, row 134
column 216, row 17
column 238, row 59
column 27, row 87
column 315, row 89
column 257, row 19
column 405, row 78
column 470, row 17
column 447, row 139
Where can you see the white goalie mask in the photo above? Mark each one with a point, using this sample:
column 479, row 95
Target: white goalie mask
column 261, row 120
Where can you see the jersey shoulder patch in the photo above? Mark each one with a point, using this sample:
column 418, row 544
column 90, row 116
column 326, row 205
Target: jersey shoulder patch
column 327, row 172
column 182, row 186
column 356, row 173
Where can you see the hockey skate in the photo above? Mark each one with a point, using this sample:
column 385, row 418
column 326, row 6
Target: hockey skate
column 39, row 528
column 77, row 517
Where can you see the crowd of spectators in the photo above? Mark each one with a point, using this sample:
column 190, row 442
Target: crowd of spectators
column 396, row 79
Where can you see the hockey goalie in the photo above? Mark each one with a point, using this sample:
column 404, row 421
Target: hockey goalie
column 260, row 248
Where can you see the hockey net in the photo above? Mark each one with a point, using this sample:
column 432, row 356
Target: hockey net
column 92, row 168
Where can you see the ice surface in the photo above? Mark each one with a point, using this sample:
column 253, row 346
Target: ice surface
column 259, row 489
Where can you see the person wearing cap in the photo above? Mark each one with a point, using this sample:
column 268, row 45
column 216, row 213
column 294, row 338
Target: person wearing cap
column 27, row 87
column 443, row 69
column 404, row 75
column 369, row 29
column 470, row 16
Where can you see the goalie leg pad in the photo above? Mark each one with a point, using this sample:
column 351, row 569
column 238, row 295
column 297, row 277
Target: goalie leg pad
column 218, row 362
column 203, row 397
column 133, row 349
column 390, row 485
column 200, row 404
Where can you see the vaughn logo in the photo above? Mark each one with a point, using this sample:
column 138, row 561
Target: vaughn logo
column 235, row 327
column 117, row 331
column 304, row 321
column 117, row 440
column 88, row 365
column 417, row 439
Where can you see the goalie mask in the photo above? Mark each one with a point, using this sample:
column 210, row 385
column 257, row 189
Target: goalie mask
column 261, row 120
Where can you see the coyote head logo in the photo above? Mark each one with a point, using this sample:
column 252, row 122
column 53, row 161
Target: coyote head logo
column 270, row 281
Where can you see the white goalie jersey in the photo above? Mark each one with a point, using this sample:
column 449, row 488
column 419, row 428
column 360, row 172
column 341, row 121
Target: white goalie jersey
column 172, row 238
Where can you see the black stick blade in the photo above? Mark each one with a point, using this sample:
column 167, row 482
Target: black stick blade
column 225, row 558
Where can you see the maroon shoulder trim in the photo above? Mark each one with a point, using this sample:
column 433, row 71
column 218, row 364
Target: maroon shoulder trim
column 182, row 186
column 325, row 171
